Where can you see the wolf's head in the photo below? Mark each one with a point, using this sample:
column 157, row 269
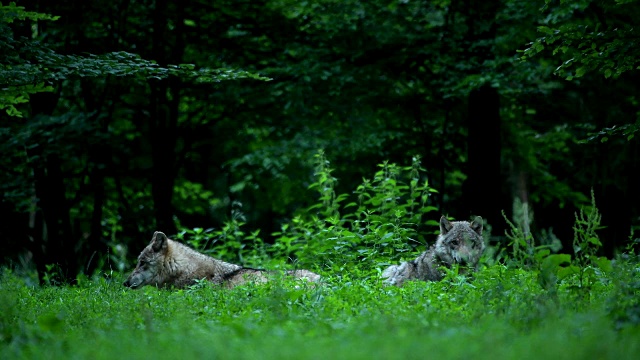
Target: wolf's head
column 150, row 263
column 460, row 242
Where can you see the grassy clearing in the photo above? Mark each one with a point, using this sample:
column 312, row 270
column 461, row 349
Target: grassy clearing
column 501, row 313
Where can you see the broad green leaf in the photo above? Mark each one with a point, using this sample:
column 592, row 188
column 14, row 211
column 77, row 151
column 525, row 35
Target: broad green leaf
column 565, row 272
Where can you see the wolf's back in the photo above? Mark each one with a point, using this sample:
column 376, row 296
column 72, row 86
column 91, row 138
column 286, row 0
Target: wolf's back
column 304, row 275
column 165, row 262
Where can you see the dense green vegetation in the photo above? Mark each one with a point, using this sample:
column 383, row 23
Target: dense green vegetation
column 532, row 303
column 501, row 313
column 328, row 135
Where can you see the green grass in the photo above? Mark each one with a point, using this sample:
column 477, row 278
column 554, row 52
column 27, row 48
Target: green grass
column 500, row 314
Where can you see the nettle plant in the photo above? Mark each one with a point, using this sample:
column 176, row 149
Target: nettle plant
column 587, row 266
column 578, row 273
column 229, row 243
column 383, row 221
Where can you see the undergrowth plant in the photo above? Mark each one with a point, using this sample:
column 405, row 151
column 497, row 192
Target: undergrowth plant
column 624, row 303
column 383, row 222
column 229, row 243
column 520, row 239
column 587, row 266
column 578, row 273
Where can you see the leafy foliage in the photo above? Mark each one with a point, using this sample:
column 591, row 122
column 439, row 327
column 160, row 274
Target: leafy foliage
column 385, row 221
column 28, row 66
column 579, row 273
column 591, row 36
column 604, row 45
column 230, row 243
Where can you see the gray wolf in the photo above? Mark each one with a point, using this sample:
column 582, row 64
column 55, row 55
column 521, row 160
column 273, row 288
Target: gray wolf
column 165, row 263
column 459, row 242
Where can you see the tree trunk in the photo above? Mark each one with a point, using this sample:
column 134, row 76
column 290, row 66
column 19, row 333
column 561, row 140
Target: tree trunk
column 615, row 197
column 95, row 245
column 98, row 160
column 56, row 243
column 482, row 191
column 165, row 98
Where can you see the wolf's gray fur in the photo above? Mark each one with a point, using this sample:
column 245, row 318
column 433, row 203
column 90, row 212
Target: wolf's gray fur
column 165, row 262
column 459, row 242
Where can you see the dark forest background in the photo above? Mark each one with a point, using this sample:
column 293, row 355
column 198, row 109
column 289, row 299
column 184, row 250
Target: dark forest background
column 120, row 118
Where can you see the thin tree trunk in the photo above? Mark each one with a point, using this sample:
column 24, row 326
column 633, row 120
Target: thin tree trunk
column 37, row 235
column 95, row 245
column 58, row 247
column 98, row 160
column 165, row 98
column 482, row 191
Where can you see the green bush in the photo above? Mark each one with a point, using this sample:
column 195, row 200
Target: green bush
column 383, row 221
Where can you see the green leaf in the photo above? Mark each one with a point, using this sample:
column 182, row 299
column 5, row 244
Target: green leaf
column 595, row 241
column 603, row 263
column 542, row 254
column 386, row 236
column 545, row 30
column 557, row 260
column 567, row 271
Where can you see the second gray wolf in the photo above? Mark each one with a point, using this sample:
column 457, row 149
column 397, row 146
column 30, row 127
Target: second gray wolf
column 459, row 242
column 165, row 263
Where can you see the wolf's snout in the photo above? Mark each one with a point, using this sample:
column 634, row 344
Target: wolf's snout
column 132, row 283
column 128, row 283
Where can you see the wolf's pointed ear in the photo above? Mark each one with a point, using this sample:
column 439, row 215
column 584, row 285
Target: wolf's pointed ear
column 476, row 225
column 445, row 225
column 159, row 241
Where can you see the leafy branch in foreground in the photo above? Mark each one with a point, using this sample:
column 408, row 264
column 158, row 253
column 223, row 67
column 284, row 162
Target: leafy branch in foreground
column 47, row 65
column 627, row 131
column 588, row 36
column 27, row 66
column 11, row 12
column 603, row 38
